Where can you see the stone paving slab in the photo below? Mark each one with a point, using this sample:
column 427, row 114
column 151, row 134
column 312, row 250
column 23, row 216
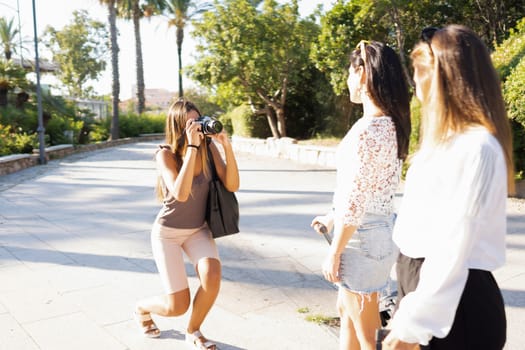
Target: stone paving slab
column 75, row 256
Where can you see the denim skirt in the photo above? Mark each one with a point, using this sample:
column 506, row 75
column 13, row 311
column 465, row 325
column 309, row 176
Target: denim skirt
column 369, row 255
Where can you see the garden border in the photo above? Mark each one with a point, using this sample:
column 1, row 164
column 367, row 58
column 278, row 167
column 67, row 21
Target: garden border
column 15, row 162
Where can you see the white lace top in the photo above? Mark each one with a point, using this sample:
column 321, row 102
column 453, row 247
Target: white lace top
column 368, row 170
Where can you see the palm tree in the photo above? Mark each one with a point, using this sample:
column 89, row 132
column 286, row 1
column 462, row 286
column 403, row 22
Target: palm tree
column 179, row 12
column 11, row 76
column 8, row 32
column 115, row 90
column 135, row 10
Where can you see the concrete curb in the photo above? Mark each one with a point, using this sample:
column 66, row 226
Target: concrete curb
column 286, row 148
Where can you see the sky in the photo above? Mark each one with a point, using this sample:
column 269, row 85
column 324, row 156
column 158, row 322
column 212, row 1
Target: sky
column 158, row 42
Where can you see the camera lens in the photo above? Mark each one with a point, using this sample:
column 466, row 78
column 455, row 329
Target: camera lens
column 210, row 125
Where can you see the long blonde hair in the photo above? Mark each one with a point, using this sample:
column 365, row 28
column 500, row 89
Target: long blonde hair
column 175, row 133
column 460, row 88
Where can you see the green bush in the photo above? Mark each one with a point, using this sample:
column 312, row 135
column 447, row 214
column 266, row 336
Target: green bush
column 19, row 119
column 511, row 51
column 415, row 120
column 100, row 130
column 509, row 60
column 245, row 124
column 14, row 143
column 58, row 126
column 514, row 90
column 132, row 124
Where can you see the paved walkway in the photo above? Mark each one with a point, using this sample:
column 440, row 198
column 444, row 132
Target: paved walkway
column 75, row 256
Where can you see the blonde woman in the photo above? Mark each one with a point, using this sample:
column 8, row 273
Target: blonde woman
column 369, row 160
column 184, row 176
column 452, row 221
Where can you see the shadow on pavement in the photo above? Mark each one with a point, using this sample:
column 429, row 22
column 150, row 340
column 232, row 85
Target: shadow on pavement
column 514, row 298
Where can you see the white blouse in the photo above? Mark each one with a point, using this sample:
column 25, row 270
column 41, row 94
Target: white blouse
column 368, row 170
column 453, row 214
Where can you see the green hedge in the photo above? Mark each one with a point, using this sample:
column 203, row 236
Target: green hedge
column 244, row 123
column 509, row 60
column 130, row 125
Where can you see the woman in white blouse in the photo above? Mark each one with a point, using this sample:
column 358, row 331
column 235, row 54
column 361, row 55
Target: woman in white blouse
column 452, row 222
column 369, row 160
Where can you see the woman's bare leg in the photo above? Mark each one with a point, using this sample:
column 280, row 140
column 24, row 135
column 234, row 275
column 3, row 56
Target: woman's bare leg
column 347, row 335
column 209, row 273
column 169, row 305
column 363, row 310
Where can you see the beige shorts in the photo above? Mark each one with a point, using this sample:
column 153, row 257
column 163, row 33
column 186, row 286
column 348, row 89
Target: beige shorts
column 168, row 244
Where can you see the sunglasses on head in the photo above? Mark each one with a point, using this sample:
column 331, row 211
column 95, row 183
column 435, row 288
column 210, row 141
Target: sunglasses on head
column 427, row 34
column 361, row 46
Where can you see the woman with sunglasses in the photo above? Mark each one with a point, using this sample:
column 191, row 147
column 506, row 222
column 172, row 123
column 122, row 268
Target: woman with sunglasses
column 452, row 221
column 183, row 185
column 369, row 160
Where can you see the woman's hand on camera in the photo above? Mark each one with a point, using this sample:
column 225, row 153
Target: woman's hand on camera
column 193, row 132
column 221, row 137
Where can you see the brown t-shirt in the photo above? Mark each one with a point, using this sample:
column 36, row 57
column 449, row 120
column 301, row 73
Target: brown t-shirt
column 189, row 214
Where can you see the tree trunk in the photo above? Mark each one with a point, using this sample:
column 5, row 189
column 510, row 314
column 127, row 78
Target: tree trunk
column 180, row 38
column 272, row 121
column 400, row 38
column 112, row 17
column 281, row 125
column 141, row 98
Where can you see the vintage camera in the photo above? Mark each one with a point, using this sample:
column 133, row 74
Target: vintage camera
column 209, row 125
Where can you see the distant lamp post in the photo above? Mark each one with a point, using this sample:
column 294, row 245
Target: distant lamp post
column 41, row 129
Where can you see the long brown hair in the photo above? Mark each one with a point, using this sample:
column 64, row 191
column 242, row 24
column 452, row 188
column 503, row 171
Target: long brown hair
column 175, row 133
column 461, row 88
column 387, row 87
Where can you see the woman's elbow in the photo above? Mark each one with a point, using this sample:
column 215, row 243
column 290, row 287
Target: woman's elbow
column 180, row 197
column 232, row 186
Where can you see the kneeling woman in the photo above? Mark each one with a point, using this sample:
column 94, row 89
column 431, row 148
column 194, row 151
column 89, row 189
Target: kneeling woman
column 183, row 185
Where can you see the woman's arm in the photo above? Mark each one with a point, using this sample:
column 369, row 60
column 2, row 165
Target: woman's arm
column 179, row 182
column 228, row 173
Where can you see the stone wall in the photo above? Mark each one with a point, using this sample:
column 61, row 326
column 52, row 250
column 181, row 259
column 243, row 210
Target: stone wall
column 15, row 162
column 286, row 148
column 289, row 149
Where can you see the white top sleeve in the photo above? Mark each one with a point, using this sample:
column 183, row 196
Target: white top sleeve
column 464, row 228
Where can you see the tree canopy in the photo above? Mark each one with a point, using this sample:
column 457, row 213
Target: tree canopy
column 80, row 49
column 254, row 54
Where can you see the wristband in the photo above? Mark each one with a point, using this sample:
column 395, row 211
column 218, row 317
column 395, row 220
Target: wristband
column 194, row 146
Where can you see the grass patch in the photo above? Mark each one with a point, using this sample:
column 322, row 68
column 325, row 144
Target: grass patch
column 326, row 320
column 320, row 319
